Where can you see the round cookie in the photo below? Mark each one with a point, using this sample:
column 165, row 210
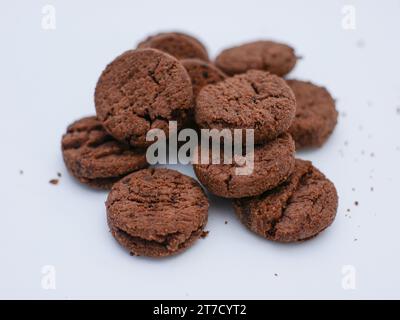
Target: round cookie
column 156, row 212
column 316, row 115
column 177, row 44
column 95, row 158
column 255, row 100
column 297, row 210
column 274, row 57
column 142, row 90
column 273, row 164
column 202, row 73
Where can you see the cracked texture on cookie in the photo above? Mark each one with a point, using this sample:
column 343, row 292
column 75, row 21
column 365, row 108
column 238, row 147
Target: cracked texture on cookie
column 255, row 100
column 273, row 163
column 316, row 114
column 96, row 158
column 142, row 90
column 274, row 57
column 156, row 212
column 297, row 210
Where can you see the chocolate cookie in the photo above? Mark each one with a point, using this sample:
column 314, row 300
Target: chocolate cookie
column 202, row 73
column 95, row 158
column 141, row 90
column 299, row 209
column 316, row 115
column 273, row 163
column 156, row 212
column 274, row 57
column 255, row 100
column 177, row 44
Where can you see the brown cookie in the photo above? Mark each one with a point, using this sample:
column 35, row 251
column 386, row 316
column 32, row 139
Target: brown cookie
column 177, row 44
column 202, row 73
column 255, row 100
column 96, row 158
column 274, row 57
column 273, row 164
column 142, row 90
column 156, row 212
column 316, row 115
column 299, row 209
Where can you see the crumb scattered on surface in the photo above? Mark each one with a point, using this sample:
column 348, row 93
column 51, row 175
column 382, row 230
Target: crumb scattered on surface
column 372, row 188
column 356, row 203
column 54, row 181
column 355, row 239
column 226, row 222
column 275, row 274
column 21, row 172
column 204, row 234
column 59, row 174
column 348, row 210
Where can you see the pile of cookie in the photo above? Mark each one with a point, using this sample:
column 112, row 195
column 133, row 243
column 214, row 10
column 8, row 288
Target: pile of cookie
column 170, row 77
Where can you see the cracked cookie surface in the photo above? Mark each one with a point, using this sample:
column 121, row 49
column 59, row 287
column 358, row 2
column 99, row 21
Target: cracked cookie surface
column 96, row 158
column 142, row 90
column 255, row 100
column 273, row 164
column 177, row 44
column 156, row 212
column 297, row 210
column 316, row 115
column 271, row 56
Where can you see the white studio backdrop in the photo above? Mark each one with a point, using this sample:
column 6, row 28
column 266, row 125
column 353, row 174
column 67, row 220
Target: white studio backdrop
column 54, row 241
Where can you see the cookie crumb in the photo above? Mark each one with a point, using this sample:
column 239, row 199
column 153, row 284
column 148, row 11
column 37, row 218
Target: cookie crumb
column 355, row 239
column 204, row 234
column 356, row 203
column 275, row 274
column 54, row 181
column 348, row 210
column 59, row 174
column 226, row 222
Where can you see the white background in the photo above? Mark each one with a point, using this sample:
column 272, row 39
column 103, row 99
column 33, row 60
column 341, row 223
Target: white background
column 47, row 79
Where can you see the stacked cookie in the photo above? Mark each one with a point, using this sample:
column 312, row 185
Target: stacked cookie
column 169, row 77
